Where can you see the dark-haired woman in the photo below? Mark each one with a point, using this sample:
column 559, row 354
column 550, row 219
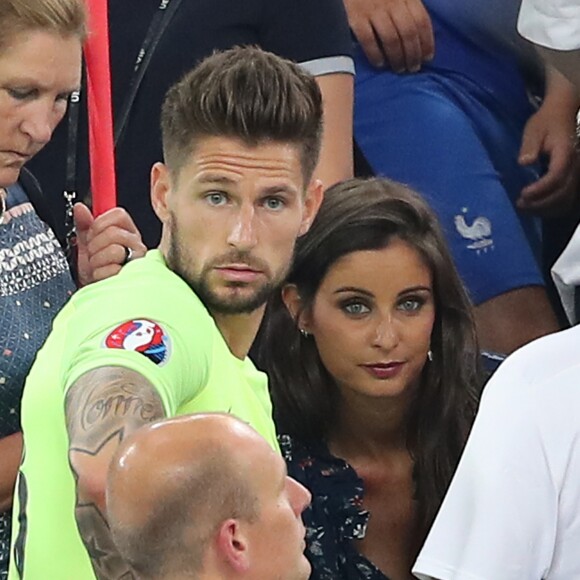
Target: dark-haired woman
column 372, row 358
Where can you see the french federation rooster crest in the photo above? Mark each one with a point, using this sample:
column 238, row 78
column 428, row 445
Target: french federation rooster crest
column 479, row 232
column 144, row 336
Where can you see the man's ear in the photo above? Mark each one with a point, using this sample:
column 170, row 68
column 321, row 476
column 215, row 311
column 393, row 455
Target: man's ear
column 160, row 189
column 233, row 546
column 293, row 302
column 312, row 200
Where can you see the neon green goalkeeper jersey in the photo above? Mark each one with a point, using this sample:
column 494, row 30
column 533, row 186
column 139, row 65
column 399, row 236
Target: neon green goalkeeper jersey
column 146, row 319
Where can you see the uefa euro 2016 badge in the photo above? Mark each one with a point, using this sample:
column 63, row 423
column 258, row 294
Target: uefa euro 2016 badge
column 141, row 335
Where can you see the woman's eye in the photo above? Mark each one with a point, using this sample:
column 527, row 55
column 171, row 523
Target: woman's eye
column 410, row 304
column 355, row 308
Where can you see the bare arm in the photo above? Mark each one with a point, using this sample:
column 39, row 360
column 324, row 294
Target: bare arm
column 335, row 162
column 102, row 408
column 11, row 453
column 566, row 61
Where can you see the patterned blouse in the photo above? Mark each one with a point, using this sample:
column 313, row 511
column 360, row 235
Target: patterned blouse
column 35, row 282
column 335, row 517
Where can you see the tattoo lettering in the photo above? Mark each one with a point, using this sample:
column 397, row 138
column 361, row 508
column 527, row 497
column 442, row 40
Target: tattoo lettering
column 107, row 399
column 120, row 405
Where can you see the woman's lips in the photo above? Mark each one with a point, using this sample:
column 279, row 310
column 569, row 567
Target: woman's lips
column 384, row 371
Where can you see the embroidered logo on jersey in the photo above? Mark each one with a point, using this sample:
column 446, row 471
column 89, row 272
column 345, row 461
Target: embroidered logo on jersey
column 144, row 336
column 478, row 232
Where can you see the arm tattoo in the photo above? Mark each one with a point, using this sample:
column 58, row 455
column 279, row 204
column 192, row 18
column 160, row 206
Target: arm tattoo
column 102, row 408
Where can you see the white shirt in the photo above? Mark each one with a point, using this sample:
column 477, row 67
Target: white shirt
column 551, row 23
column 566, row 275
column 512, row 511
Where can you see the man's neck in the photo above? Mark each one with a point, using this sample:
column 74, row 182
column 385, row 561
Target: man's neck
column 239, row 330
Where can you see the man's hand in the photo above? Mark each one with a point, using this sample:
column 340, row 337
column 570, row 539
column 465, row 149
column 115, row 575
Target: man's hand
column 101, row 242
column 554, row 192
column 394, row 32
column 551, row 131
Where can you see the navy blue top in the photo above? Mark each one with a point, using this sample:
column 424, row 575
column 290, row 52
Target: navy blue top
column 335, row 517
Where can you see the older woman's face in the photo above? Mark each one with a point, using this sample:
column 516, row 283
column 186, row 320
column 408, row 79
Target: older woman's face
column 38, row 72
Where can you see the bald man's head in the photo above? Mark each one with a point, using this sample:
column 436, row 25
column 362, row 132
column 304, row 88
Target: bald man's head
column 204, row 496
column 172, row 482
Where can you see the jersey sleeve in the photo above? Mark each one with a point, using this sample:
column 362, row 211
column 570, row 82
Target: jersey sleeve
column 314, row 34
column 499, row 517
column 174, row 359
column 554, row 24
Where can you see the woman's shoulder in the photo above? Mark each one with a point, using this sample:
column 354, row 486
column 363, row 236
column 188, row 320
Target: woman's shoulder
column 335, row 516
column 337, row 491
column 310, row 457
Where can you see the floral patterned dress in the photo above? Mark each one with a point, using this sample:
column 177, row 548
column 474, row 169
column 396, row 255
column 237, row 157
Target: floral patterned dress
column 335, row 517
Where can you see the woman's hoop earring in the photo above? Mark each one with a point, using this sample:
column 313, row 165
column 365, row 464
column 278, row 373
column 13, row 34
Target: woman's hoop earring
column 430, row 355
column 304, row 333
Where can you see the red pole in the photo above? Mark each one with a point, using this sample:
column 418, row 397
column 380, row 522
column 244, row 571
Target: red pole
column 101, row 144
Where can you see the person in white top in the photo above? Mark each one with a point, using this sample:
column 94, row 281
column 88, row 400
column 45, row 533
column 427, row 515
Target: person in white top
column 554, row 26
column 566, row 276
column 512, row 511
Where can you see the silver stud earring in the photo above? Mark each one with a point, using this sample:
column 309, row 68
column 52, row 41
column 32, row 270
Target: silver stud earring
column 430, row 355
column 304, row 333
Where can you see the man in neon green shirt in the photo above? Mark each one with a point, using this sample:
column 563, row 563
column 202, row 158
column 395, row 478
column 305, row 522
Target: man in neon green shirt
column 171, row 333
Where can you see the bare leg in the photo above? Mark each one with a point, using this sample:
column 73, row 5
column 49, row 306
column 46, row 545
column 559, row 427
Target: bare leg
column 515, row 318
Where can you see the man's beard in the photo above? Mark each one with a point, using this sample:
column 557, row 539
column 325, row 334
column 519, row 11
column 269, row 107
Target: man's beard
column 233, row 304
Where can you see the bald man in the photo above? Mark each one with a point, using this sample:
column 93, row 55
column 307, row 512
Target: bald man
column 204, row 496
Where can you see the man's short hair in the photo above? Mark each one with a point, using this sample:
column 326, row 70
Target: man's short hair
column 248, row 94
column 64, row 17
column 175, row 533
